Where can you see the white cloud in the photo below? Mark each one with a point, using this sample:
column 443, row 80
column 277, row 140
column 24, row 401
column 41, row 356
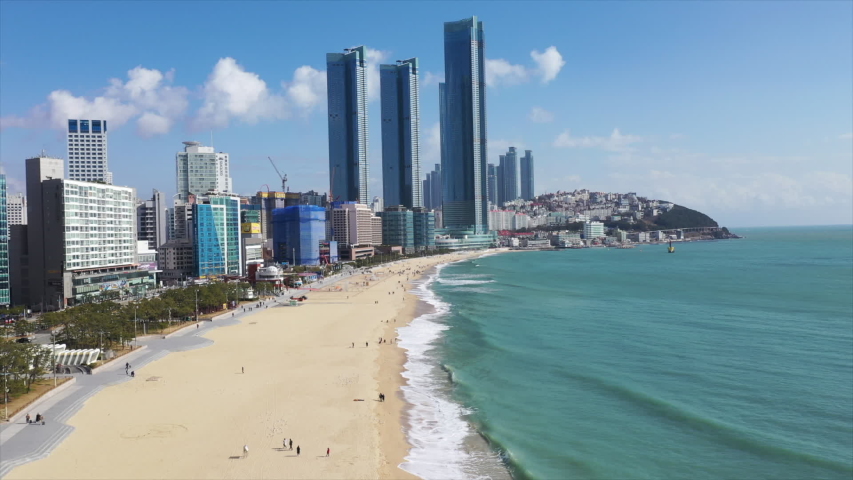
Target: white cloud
column 13, row 185
column 549, row 63
column 846, row 136
column 308, row 88
column 429, row 79
column 430, row 147
column 540, row 115
column 615, row 142
column 742, row 192
column 147, row 94
column 232, row 92
column 373, row 59
column 502, row 72
column 677, row 136
column 150, row 124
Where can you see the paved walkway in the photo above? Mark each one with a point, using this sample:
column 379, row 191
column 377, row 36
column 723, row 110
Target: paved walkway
column 21, row 443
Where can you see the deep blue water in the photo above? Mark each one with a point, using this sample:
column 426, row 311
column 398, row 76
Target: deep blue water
column 725, row 360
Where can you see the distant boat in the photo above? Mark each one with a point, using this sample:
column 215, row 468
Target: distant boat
column 670, row 249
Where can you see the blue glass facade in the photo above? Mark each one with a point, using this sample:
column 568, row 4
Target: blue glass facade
column 510, row 176
column 492, row 173
column 216, row 236
column 527, row 192
column 231, row 232
column 208, row 240
column 297, row 233
column 398, row 228
column 423, row 221
column 4, row 245
column 346, row 82
column 401, row 170
column 462, row 113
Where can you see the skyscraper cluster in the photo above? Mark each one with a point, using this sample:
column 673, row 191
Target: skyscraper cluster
column 512, row 178
column 75, row 236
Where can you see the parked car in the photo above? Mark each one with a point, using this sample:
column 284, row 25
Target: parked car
column 23, row 340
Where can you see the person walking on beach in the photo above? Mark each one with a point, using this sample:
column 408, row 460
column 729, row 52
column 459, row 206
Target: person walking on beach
column 291, row 444
column 245, row 451
column 328, row 451
column 243, row 369
column 365, row 344
column 297, row 450
column 284, row 444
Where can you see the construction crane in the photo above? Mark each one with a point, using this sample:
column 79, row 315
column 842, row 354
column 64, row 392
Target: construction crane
column 283, row 177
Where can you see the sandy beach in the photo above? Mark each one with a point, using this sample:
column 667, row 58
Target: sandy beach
column 189, row 414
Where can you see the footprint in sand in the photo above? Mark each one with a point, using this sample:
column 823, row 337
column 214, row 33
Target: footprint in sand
column 160, row 430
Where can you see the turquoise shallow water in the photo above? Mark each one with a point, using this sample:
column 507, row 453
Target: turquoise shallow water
column 730, row 359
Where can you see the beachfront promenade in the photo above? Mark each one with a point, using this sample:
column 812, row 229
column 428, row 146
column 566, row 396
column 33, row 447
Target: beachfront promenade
column 312, row 373
column 21, row 443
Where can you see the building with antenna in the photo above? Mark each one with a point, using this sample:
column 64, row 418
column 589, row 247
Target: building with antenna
column 201, row 170
column 346, row 82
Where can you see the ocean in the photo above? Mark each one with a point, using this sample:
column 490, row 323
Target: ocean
column 724, row 360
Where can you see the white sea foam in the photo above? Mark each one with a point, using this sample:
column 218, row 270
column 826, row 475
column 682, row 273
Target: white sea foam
column 462, row 281
column 437, row 429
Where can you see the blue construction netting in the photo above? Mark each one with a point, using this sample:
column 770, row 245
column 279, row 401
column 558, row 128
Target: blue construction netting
column 297, row 233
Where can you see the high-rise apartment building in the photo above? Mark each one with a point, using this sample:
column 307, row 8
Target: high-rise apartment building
column 401, row 170
column 511, row 175
column 354, row 224
column 436, row 186
column 201, row 170
column 16, row 209
column 87, row 151
column 492, row 184
column 152, row 218
column 432, row 188
column 5, row 297
column 346, row 82
column 527, row 192
column 462, row 113
column 81, row 238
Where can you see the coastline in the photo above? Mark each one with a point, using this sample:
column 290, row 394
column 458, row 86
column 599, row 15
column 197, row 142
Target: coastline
column 188, row 414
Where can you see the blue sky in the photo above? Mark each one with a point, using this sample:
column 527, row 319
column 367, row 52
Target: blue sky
column 743, row 110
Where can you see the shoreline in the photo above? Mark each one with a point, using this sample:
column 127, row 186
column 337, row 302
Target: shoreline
column 193, row 410
column 475, row 446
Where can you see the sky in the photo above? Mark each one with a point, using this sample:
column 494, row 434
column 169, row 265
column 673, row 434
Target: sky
column 742, row 110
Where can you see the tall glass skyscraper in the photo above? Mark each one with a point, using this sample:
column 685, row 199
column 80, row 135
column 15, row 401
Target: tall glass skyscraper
column 4, row 245
column 511, row 176
column 527, row 175
column 492, row 183
column 346, row 82
column 462, row 99
column 401, row 168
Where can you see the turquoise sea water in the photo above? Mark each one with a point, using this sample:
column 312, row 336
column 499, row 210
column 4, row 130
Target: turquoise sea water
column 724, row 360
